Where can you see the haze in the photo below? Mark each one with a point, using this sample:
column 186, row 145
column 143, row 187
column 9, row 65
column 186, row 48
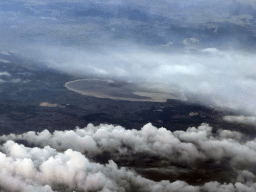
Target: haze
column 143, row 42
column 197, row 51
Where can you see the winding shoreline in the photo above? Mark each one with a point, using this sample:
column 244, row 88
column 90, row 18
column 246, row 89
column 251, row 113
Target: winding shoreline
column 127, row 92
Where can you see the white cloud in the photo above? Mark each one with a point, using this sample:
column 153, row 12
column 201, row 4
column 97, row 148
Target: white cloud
column 249, row 120
column 66, row 162
column 5, row 73
column 71, row 170
column 64, row 158
column 222, row 79
column 193, row 144
column 4, row 61
column 216, row 77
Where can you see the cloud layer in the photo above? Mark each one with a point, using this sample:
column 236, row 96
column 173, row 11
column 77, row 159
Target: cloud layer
column 248, row 120
column 196, row 49
column 222, row 79
column 199, row 50
column 66, row 159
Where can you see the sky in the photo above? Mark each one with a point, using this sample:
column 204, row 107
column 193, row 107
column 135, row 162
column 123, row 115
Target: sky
column 202, row 50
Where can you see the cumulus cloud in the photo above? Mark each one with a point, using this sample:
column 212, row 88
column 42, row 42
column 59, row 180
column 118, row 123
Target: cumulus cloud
column 66, row 159
column 113, row 44
column 192, row 144
column 35, row 169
